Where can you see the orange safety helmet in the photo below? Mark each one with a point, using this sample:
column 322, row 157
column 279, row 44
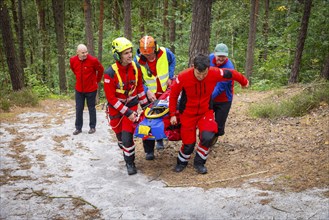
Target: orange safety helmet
column 147, row 45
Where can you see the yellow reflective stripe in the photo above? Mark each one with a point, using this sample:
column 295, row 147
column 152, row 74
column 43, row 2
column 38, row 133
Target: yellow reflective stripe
column 162, row 68
column 151, row 88
column 162, row 77
column 121, row 90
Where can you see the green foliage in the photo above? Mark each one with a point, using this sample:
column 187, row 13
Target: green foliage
column 263, row 85
column 229, row 24
column 22, row 98
column 298, row 105
column 5, row 104
column 36, row 85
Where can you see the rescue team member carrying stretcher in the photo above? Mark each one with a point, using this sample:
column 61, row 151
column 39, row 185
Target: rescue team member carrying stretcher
column 123, row 87
column 196, row 85
column 158, row 66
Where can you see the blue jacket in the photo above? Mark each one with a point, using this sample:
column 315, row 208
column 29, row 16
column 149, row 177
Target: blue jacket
column 223, row 91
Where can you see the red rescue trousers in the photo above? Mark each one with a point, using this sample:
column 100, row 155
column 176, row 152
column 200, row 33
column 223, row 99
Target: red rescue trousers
column 190, row 123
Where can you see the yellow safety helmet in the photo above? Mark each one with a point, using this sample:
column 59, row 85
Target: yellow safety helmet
column 120, row 44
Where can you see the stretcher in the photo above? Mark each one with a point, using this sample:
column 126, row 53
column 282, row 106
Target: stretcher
column 155, row 121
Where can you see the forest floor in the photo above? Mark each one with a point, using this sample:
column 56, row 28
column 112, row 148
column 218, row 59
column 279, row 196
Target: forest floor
column 292, row 152
column 40, row 158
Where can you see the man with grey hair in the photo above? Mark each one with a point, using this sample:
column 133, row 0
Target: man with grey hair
column 88, row 72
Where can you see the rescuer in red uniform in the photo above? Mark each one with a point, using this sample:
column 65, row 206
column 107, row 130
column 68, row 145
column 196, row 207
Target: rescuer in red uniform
column 195, row 85
column 123, row 87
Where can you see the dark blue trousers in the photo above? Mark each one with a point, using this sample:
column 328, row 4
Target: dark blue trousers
column 221, row 110
column 80, row 98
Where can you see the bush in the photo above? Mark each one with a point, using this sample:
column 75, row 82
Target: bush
column 4, row 105
column 22, row 98
column 298, row 105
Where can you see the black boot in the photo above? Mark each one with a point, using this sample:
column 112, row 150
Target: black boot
column 149, row 149
column 200, row 168
column 131, row 168
column 160, row 145
column 199, row 164
column 149, row 156
column 180, row 166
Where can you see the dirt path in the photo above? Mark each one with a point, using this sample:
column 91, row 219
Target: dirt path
column 278, row 167
column 292, row 154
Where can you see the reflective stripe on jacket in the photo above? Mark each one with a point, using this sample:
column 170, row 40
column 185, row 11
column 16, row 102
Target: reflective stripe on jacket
column 162, row 69
column 119, row 101
column 121, row 90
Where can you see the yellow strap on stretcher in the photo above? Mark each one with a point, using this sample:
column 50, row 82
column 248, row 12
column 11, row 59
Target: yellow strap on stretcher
column 143, row 129
column 150, row 115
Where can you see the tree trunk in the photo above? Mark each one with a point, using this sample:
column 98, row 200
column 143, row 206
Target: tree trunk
column 15, row 16
column 14, row 66
column 325, row 71
column 165, row 21
column 89, row 27
column 19, row 30
column 100, row 30
column 301, row 41
column 172, row 26
column 251, row 38
column 2, row 59
column 141, row 24
column 43, row 32
column 200, row 30
column 100, row 41
column 127, row 19
column 116, row 15
column 58, row 10
column 266, row 29
column 21, row 35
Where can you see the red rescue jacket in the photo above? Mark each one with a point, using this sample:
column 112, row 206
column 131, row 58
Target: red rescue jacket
column 88, row 73
column 196, row 95
column 133, row 94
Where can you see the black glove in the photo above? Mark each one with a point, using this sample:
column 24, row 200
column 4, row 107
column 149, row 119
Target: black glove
column 145, row 105
column 128, row 113
column 227, row 74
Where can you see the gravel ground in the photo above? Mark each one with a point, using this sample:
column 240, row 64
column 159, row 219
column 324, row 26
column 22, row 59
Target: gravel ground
column 47, row 173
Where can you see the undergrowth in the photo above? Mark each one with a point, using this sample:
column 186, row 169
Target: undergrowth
column 310, row 97
column 21, row 98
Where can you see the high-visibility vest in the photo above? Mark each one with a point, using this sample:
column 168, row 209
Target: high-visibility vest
column 121, row 90
column 162, row 69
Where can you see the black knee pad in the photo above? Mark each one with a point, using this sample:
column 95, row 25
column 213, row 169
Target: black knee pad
column 127, row 139
column 118, row 135
column 208, row 139
column 188, row 148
